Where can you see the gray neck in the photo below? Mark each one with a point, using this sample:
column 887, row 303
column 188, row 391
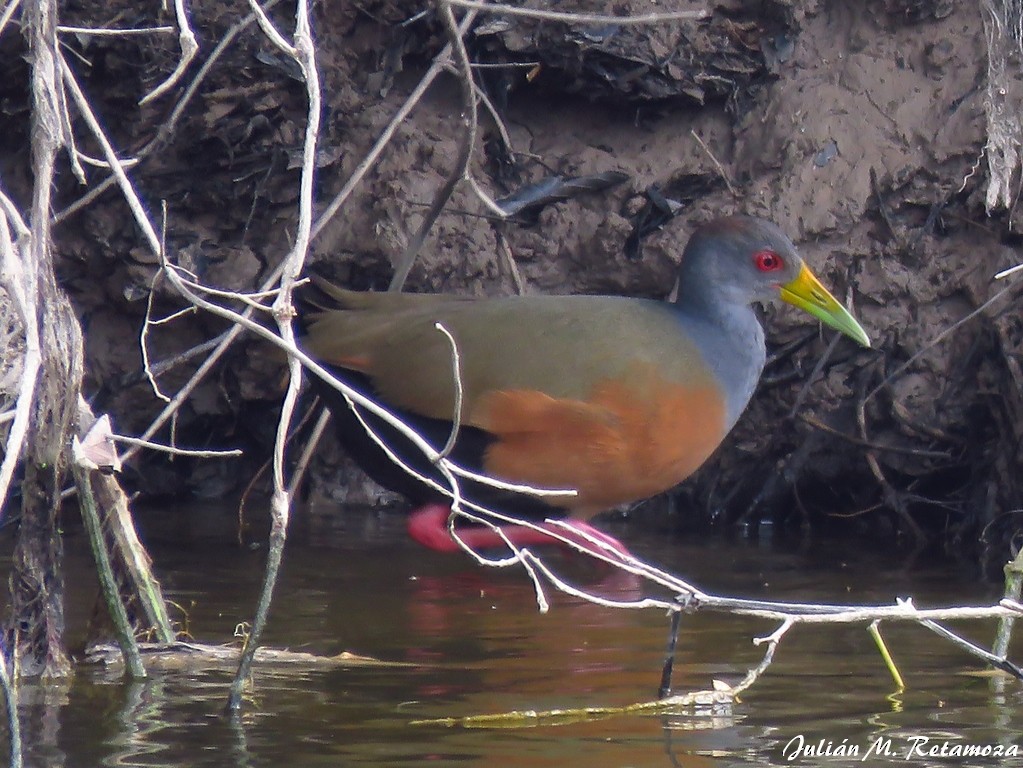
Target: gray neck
column 731, row 340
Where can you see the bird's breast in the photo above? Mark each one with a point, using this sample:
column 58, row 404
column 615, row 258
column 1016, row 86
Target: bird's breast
column 731, row 347
column 629, row 439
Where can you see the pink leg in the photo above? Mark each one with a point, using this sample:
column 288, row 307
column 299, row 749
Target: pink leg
column 428, row 525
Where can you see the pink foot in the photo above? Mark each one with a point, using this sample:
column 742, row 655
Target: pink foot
column 428, row 525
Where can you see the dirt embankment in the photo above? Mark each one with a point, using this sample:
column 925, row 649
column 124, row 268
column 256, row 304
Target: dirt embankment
column 859, row 130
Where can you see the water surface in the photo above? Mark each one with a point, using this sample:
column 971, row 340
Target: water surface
column 476, row 644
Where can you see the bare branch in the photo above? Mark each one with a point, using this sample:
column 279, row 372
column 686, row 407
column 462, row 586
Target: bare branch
column 8, row 14
column 456, row 375
column 189, row 47
column 469, row 124
column 772, row 641
column 177, row 451
column 579, row 18
column 1010, row 271
column 311, row 443
column 14, row 217
column 271, row 31
column 106, row 32
column 304, row 54
column 441, row 61
column 939, row 338
column 17, row 277
column 713, row 159
column 127, row 189
column 170, row 125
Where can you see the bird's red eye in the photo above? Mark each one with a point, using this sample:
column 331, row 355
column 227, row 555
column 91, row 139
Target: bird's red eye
column 768, row 261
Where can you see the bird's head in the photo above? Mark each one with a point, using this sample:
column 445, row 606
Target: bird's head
column 744, row 259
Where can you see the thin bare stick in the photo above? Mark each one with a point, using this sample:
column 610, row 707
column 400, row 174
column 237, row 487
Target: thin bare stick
column 772, row 641
column 304, row 53
column 189, row 47
column 8, row 13
column 10, row 210
column 579, row 18
column 95, row 162
column 502, row 129
column 251, row 298
column 456, row 374
column 127, row 189
column 564, row 586
column 228, row 452
column 486, row 199
column 244, row 298
column 302, row 466
column 107, row 32
column 892, row 498
column 271, row 32
column 11, row 705
column 147, row 322
column 439, row 63
column 17, row 275
column 713, row 159
column 804, row 391
column 999, row 662
column 469, row 124
column 508, row 259
column 938, row 339
column 170, row 125
column 1010, row 271
column 922, row 453
column 186, row 390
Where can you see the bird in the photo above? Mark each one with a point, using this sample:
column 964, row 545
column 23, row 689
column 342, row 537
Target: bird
column 608, row 400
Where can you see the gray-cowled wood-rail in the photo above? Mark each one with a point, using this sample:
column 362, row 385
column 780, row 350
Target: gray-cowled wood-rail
column 615, row 398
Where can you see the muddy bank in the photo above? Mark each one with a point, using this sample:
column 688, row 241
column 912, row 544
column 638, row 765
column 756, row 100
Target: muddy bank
column 858, row 130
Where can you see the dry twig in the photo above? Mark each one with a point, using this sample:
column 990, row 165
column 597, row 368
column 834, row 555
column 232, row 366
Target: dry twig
column 468, row 124
column 304, row 54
